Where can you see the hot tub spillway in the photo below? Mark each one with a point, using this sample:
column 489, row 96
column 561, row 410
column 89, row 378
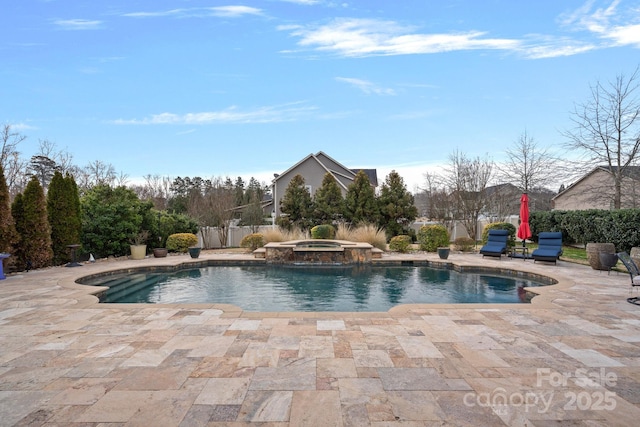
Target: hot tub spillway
column 318, row 252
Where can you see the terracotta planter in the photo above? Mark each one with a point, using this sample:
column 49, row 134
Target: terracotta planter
column 160, row 252
column 593, row 254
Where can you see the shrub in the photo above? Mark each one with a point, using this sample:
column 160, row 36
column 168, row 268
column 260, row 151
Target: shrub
column 431, row 237
column 324, row 231
column 252, row 241
column 464, row 244
column 511, row 241
column 180, row 242
column 400, row 243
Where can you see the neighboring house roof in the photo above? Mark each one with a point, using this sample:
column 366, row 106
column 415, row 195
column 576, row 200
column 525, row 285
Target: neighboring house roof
column 341, row 173
column 371, row 173
column 313, row 168
column 632, row 172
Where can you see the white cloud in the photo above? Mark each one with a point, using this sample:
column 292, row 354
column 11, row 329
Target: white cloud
column 78, row 24
column 546, row 47
column 269, row 114
column 608, row 23
column 366, row 86
column 365, row 37
column 625, row 35
column 20, row 127
column 304, row 2
column 234, row 11
column 200, row 12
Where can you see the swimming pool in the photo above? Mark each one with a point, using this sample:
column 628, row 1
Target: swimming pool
column 358, row 288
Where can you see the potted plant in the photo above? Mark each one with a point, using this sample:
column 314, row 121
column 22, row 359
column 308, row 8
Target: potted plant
column 138, row 245
column 194, row 251
column 160, row 251
column 443, row 252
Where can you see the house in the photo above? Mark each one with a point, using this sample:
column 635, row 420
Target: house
column 595, row 190
column 313, row 168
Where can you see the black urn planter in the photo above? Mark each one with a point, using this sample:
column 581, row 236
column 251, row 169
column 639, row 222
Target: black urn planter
column 194, row 252
column 443, row 253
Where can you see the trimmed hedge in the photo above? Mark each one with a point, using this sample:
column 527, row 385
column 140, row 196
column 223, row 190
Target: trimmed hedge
column 324, row 231
column 620, row 227
column 252, row 241
column 464, row 244
column 432, row 237
column 400, row 243
column 511, row 241
column 180, row 242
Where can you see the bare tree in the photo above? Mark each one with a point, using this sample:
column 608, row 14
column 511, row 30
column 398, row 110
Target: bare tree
column 438, row 203
column 467, row 180
column 213, row 207
column 528, row 165
column 155, row 188
column 98, row 172
column 607, row 130
column 14, row 167
column 62, row 158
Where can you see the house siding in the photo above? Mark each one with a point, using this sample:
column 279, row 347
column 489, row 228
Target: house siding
column 596, row 191
column 313, row 168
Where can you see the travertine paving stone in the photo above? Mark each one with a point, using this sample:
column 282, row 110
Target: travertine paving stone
column 571, row 357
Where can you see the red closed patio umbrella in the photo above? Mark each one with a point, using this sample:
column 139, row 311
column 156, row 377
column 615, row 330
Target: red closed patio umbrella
column 524, row 232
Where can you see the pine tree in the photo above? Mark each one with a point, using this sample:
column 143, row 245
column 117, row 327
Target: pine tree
column 17, row 212
column 360, row 201
column 297, row 203
column 33, row 227
column 397, row 209
column 8, row 234
column 328, row 203
column 63, row 209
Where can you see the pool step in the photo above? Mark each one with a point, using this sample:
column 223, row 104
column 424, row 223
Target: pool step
column 133, row 285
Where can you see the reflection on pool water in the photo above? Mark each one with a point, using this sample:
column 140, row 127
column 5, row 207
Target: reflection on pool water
column 360, row 288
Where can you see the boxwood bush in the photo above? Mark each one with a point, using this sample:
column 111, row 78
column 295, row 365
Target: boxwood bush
column 180, row 242
column 464, row 244
column 324, row 231
column 431, row 237
column 252, row 241
column 511, row 241
column 400, row 243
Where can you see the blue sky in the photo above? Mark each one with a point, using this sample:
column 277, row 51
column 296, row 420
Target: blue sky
column 214, row 88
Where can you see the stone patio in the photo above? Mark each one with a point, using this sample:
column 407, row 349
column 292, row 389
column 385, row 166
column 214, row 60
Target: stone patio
column 570, row 357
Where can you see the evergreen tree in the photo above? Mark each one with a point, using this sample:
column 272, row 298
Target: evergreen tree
column 8, row 234
column 296, row 204
column 360, row 201
column 238, row 190
column 397, row 209
column 328, row 203
column 254, row 191
column 17, row 212
column 63, row 208
column 111, row 217
column 33, row 226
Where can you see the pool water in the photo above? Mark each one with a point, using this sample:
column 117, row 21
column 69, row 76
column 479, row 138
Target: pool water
column 358, row 288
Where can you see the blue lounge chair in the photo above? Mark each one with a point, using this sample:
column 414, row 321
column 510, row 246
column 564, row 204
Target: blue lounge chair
column 549, row 247
column 496, row 243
